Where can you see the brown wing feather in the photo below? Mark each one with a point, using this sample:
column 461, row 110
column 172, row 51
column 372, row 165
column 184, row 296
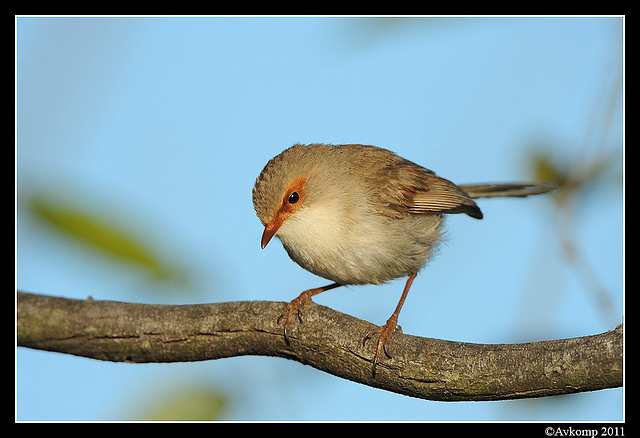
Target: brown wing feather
column 412, row 189
column 442, row 196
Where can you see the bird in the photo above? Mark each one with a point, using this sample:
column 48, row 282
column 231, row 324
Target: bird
column 358, row 214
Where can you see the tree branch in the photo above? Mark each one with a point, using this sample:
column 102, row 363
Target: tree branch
column 324, row 339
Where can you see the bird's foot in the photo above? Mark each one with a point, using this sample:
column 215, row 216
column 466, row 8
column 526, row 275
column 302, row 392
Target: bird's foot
column 301, row 300
column 293, row 307
column 385, row 332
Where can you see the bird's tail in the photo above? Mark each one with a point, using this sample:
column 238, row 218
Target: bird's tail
column 506, row 190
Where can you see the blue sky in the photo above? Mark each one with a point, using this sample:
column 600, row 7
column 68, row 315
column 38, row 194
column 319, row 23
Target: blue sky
column 163, row 124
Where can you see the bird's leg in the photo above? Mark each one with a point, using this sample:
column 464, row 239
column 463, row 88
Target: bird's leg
column 301, row 300
column 387, row 330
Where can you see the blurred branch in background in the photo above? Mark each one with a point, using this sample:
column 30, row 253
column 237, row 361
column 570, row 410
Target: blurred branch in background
column 597, row 165
column 573, row 189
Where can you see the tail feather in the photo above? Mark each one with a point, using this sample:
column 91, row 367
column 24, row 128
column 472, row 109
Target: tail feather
column 520, row 190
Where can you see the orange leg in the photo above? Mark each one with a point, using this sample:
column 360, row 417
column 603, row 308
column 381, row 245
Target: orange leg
column 387, row 330
column 301, row 300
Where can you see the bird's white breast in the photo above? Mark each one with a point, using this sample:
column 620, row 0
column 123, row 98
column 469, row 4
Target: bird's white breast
column 348, row 245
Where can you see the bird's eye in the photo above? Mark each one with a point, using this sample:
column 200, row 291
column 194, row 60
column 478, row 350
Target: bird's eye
column 293, row 198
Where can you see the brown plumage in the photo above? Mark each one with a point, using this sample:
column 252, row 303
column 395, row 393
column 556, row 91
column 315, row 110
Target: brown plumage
column 358, row 214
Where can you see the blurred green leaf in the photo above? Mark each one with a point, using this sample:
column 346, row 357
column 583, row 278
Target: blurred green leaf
column 545, row 170
column 99, row 234
column 572, row 177
column 196, row 405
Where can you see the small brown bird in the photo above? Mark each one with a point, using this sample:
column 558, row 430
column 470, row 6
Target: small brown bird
column 357, row 214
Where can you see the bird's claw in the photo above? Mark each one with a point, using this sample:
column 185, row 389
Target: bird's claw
column 385, row 332
column 291, row 308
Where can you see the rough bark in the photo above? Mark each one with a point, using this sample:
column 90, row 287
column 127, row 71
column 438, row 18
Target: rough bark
column 324, row 339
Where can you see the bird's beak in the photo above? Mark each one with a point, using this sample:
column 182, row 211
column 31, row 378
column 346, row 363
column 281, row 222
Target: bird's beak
column 269, row 231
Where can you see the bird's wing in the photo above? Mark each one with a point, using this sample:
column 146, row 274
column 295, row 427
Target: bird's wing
column 407, row 188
